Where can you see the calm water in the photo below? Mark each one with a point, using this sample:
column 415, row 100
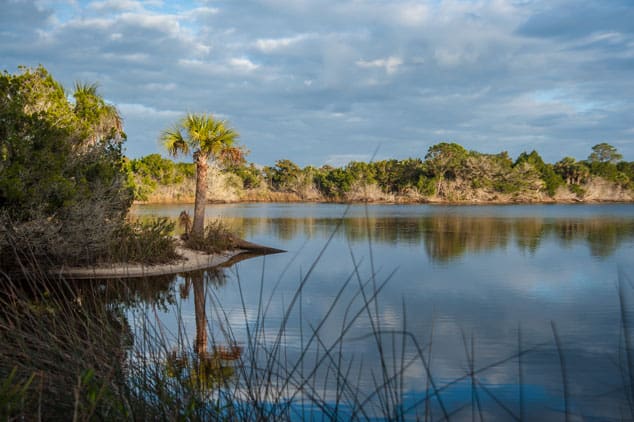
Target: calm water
column 471, row 285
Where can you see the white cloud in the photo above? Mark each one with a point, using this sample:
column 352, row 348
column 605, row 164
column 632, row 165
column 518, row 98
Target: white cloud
column 131, row 58
column 412, row 14
column 160, row 22
column 198, row 66
column 143, row 111
column 243, row 64
column 161, row 86
column 451, row 57
column 268, row 45
column 115, row 5
column 309, row 78
column 389, row 64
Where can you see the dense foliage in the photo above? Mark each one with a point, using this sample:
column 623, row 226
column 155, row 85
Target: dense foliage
column 448, row 172
column 149, row 172
column 63, row 189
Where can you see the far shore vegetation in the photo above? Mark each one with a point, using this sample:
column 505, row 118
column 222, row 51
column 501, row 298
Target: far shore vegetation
column 447, row 173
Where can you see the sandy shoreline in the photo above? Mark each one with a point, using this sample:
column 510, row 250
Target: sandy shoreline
column 191, row 261
column 410, row 202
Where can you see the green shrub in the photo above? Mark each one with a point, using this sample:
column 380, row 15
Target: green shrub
column 577, row 190
column 217, row 238
column 551, row 178
column 250, row 175
column 426, row 186
column 506, row 186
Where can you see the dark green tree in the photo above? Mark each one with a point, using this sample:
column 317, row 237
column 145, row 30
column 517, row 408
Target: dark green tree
column 572, row 171
column 443, row 161
column 551, row 179
column 602, row 162
column 604, row 153
column 285, row 176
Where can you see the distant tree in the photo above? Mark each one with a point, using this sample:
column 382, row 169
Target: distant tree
column 627, row 168
column 284, row 176
column 486, row 171
column 547, row 172
column 361, row 172
column 207, row 139
column 572, row 171
column 604, row 153
column 602, row 162
column 333, row 182
column 250, row 175
column 443, row 160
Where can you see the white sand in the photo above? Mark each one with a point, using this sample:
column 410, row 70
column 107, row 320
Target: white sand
column 192, row 260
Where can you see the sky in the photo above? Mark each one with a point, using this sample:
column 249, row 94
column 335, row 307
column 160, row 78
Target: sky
column 330, row 81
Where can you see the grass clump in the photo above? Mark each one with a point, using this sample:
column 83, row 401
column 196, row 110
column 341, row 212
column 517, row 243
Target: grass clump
column 217, row 238
column 63, row 352
column 147, row 242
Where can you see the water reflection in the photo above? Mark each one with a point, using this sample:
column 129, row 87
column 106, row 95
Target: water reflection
column 446, row 234
column 483, row 360
column 206, row 369
column 447, row 237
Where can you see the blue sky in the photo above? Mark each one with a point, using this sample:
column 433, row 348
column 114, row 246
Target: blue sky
column 329, row 81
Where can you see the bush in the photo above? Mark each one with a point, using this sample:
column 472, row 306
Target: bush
column 577, row 190
column 250, row 175
column 148, row 242
column 217, row 238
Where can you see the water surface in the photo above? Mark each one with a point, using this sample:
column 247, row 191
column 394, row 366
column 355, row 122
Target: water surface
column 472, row 286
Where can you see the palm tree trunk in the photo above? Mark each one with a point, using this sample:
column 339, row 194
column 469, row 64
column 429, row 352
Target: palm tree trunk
column 198, row 228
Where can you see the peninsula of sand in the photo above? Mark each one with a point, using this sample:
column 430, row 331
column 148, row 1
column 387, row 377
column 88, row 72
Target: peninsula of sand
column 190, row 260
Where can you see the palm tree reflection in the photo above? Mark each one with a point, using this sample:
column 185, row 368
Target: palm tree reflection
column 204, row 369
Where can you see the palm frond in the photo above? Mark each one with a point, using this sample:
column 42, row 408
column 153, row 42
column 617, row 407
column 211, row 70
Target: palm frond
column 84, row 88
column 174, row 142
column 202, row 133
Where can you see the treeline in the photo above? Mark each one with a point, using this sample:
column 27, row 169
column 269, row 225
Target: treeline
column 448, row 172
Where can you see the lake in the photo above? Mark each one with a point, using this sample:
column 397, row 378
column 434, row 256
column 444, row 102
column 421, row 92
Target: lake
column 514, row 311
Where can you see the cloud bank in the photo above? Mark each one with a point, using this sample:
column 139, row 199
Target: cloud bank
column 317, row 80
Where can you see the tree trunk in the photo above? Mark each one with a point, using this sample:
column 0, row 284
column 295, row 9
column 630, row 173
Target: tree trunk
column 198, row 228
column 439, row 187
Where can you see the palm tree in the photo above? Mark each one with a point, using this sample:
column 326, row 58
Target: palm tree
column 102, row 120
column 208, row 139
